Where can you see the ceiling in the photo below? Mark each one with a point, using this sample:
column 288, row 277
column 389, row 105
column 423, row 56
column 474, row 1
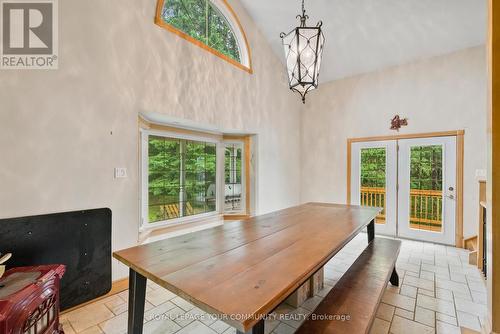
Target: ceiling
column 367, row 35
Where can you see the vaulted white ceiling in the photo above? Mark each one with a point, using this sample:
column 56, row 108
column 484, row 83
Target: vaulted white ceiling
column 367, row 35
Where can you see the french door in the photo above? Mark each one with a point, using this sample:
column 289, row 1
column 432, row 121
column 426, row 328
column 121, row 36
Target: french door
column 413, row 180
column 426, row 196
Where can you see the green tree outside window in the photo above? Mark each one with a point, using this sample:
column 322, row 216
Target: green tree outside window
column 182, row 178
column 201, row 20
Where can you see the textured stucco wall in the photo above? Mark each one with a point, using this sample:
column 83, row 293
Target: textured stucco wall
column 57, row 150
column 442, row 93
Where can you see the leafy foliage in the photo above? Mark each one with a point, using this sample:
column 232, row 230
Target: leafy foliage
column 183, row 173
column 426, row 173
column 373, row 167
column 170, row 160
column 201, row 20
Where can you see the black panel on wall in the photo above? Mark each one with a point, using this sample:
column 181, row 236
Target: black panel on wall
column 81, row 240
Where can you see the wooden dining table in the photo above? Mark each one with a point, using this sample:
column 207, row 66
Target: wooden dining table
column 242, row 270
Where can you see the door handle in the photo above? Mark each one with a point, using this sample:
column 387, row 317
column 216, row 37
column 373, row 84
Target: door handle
column 451, row 196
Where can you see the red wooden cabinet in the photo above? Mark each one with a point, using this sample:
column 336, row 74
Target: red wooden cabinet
column 29, row 300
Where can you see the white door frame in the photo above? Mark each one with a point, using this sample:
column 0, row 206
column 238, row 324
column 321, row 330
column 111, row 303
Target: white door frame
column 459, row 134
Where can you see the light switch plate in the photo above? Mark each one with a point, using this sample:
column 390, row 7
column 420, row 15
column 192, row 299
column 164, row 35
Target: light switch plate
column 120, row 173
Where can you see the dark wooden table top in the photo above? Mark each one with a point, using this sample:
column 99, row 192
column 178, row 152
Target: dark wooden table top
column 247, row 268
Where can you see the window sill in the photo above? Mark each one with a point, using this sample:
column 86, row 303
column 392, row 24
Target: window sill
column 236, row 217
column 165, row 231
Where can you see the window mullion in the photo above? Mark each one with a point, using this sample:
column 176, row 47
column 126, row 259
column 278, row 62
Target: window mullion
column 182, row 181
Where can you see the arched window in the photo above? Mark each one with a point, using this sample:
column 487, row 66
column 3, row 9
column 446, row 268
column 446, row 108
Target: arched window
column 210, row 24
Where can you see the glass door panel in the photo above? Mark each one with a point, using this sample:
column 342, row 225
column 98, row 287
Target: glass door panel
column 373, row 181
column 426, row 188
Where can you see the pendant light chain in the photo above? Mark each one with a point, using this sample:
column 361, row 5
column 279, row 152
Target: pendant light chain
column 303, row 17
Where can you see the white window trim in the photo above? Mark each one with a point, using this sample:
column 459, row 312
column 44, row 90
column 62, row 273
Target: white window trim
column 220, row 179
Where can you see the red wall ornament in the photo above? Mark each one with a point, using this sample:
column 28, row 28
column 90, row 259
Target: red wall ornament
column 397, row 122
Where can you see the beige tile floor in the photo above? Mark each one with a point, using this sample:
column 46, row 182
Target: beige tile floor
column 439, row 293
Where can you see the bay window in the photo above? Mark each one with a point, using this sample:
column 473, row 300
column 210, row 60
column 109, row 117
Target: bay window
column 186, row 177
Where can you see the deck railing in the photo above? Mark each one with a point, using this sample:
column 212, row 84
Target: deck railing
column 374, row 197
column 426, row 209
column 425, row 206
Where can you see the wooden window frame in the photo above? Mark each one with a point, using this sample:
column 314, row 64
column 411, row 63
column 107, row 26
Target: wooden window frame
column 233, row 21
column 459, row 134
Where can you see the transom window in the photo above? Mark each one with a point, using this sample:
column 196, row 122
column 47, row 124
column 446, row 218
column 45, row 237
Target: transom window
column 207, row 23
column 186, row 177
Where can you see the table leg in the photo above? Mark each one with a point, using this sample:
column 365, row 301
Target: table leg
column 394, row 277
column 257, row 329
column 136, row 300
column 371, row 231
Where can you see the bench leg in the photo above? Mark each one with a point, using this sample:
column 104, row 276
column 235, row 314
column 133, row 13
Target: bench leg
column 394, row 277
column 257, row 329
column 136, row 300
column 371, row 231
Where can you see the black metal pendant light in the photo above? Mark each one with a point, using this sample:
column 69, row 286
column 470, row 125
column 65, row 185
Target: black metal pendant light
column 303, row 51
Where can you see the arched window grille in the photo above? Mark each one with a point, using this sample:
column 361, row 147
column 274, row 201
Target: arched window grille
column 210, row 24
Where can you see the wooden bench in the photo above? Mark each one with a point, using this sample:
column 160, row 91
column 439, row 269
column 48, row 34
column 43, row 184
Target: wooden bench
column 358, row 293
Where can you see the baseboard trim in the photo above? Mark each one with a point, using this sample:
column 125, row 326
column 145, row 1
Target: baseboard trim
column 116, row 287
